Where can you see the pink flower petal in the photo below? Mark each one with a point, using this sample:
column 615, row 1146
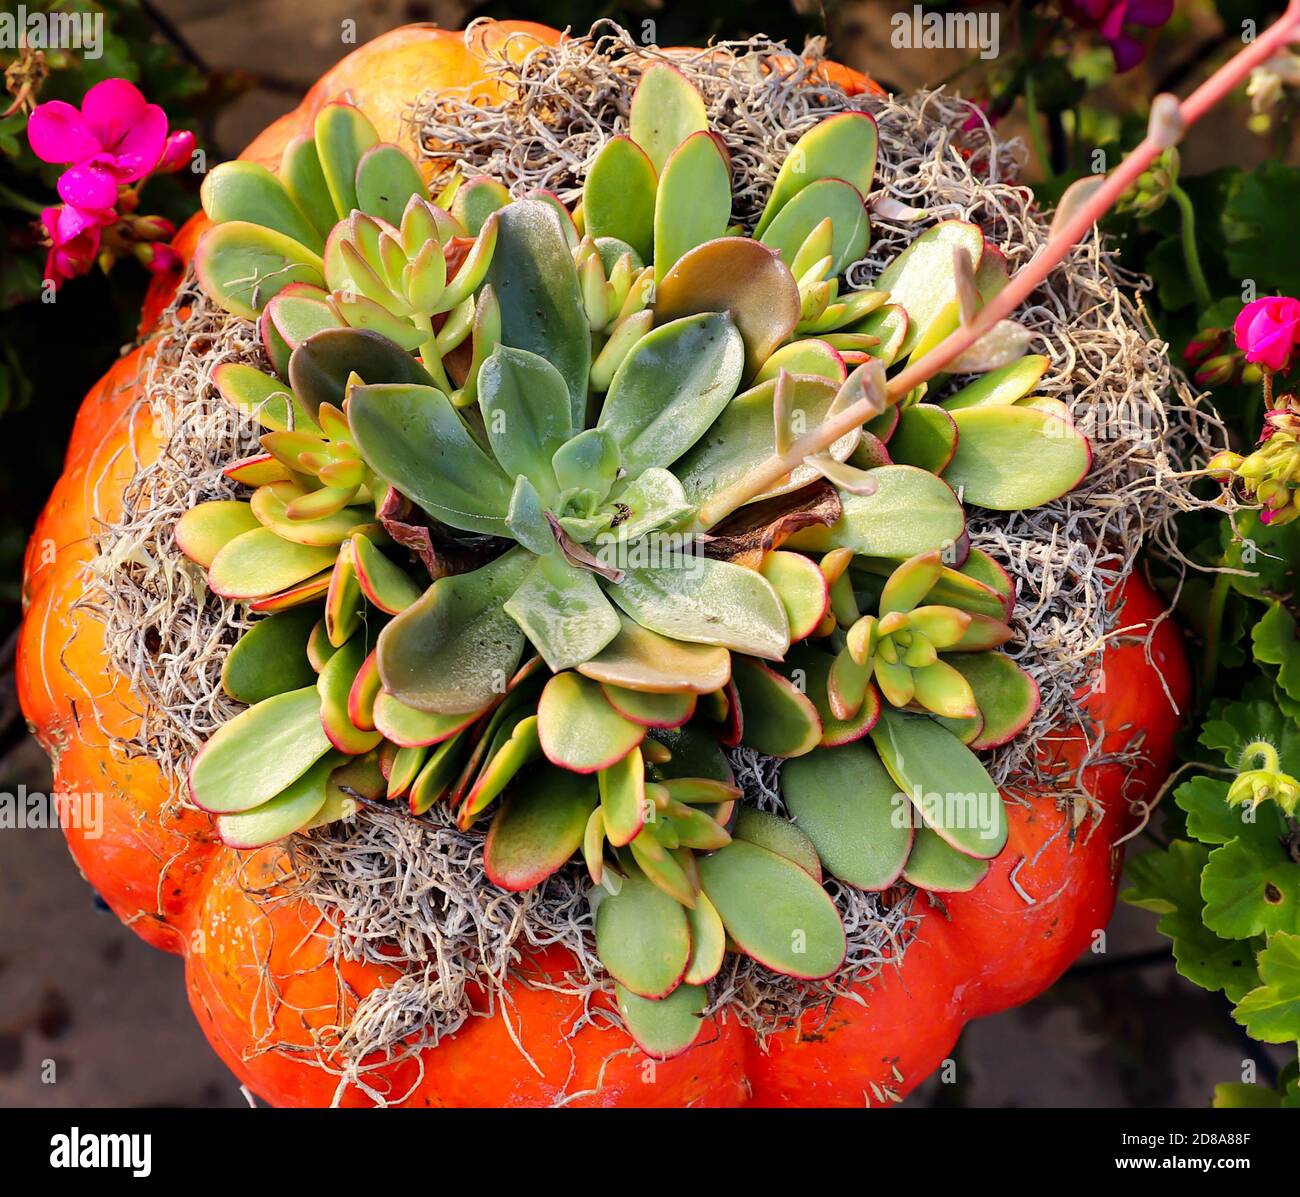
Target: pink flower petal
column 178, row 151
column 138, row 150
column 88, row 186
column 112, row 108
column 1150, row 13
column 58, row 133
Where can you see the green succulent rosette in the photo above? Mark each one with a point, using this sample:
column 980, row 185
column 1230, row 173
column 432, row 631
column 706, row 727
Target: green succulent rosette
column 521, row 549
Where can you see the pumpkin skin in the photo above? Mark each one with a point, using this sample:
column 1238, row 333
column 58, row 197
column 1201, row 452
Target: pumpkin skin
column 164, row 873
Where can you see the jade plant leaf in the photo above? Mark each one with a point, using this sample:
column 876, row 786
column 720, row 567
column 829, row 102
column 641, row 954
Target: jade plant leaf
column 671, row 387
column 383, row 583
column 934, row 865
column 334, row 686
column 840, row 147
column 242, row 266
column 321, row 367
column 639, row 659
column 849, row 807
column 525, row 405
column 708, row 943
column 911, row 512
column 809, row 356
column 643, row 938
column 1001, row 387
column 1013, row 458
column 802, row 588
column 538, row 827
column 269, row 504
column 343, row 135
column 579, row 730
column 779, row 718
column 290, row 810
column 454, row 649
column 438, row 773
column 259, row 563
column 693, row 200
column 1005, row 694
column 304, row 180
column 536, row 284
column 261, row 396
column 408, row 728
column 250, row 759
column 825, row 199
column 271, row 657
column 622, row 798
column 385, row 180
column 651, row 710
column 205, row 529
column 297, row 313
column 664, row 1028
column 773, row 910
column 926, row 437
column 618, row 198
column 778, row 835
column 944, row 780
column 706, row 602
column 249, row 192
column 740, row 277
column 563, row 612
column 922, row 278
column 414, row 439
column 514, row 746
column 889, row 324
column 666, row 109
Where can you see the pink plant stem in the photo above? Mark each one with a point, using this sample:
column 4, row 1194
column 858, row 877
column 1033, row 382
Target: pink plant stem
column 1211, row 92
column 1073, row 230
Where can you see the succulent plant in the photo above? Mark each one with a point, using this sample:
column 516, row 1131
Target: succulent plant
column 554, row 506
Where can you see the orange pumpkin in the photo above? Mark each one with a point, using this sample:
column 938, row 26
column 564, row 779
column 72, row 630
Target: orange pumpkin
column 163, row 872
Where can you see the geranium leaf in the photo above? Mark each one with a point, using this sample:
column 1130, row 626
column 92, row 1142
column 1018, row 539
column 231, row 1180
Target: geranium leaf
column 250, row 759
column 536, row 284
column 773, row 910
column 563, row 612
column 1275, row 643
column 1271, row 1013
column 671, row 387
column 1251, row 887
column 454, row 649
column 1013, row 458
column 844, row 800
column 538, row 827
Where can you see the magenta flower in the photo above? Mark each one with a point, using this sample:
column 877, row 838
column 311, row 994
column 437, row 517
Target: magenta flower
column 1268, row 330
column 74, row 235
column 176, row 155
column 114, row 138
column 1113, row 20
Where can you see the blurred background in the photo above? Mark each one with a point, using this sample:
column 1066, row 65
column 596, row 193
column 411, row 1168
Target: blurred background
column 78, row 989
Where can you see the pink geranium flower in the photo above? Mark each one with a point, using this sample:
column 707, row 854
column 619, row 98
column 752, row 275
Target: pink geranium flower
column 1113, row 19
column 1268, row 330
column 74, row 235
column 114, row 138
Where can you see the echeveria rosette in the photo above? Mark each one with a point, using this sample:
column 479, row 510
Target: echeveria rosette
column 553, row 506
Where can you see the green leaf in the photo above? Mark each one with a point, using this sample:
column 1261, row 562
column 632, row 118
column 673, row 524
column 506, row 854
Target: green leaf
column 1005, row 694
column 290, row 810
column 259, row 563
column 1251, row 886
column 515, row 745
column 778, row 835
column 322, row 365
column 1234, row 725
column 1169, row 884
column 693, row 201
column 271, row 657
column 536, row 284
column 1013, row 458
column 242, row 266
column 538, row 827
column 922, row 278
column 1001, row 387
column 1212, row 821
column 708, row 943
column 622, row 798
column 618, row 198
column 343, row 134
column 666, row 109
column 385, row 584
column 525, row 405
column 642, row 938
column 667, row 1027
column 779, row 718
column 705, row 602
column 206, row 528
column 1271, row 1013
column 1255, row 222
column 840, row 147
column 652, row 501
column 408, row 728
column 476, row 200
column 826, row 199
column 588, row 461
column 270, row 505
column 1275, row 643
column 671, row 387
column 563, row 612
column 639, row 659
column 413, row 438
column 911, row 512
column 945, row 781
column 301, row 174
column 579, row 730
column 334, row 685
column 926, row 437
column 386, row 179
column 254, row 756
column 849, row 806
column 933, row 865
column 773, row 910
column 453, row 651
column 670, row 709
column 249, row 192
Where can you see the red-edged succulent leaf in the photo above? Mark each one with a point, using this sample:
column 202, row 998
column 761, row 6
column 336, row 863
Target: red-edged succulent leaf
column 411, row 728
column 205, row 529
column 779, row 835
column 802, row 588
column 1006, row 695
column 779, row 718
column 579, row 729
column 643, row 938
column 539, row 826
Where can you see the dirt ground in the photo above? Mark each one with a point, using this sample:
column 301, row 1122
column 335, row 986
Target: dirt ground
column 90, row 1016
